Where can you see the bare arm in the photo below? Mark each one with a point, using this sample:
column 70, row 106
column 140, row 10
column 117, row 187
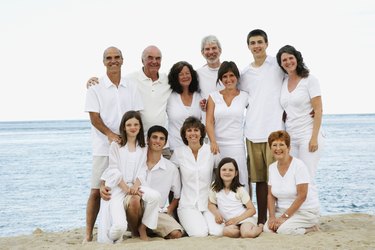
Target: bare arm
column 172, row 206
column 213, row 209
column 98, row 123
column 271, row 200
column 105, row 192
column 316, row 103
column 250, row 211
column 210, row 123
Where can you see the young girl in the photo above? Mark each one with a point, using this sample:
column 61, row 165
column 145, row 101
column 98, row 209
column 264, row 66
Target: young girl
column 230, row 203
column 125, row 160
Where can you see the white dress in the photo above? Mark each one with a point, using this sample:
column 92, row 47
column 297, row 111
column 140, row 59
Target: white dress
column 229, row 130
column 122, row 165
column 177, row 113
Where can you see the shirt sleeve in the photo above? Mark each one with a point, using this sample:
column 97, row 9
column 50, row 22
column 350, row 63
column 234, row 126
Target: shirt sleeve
column 242, row 195
column 314, row 87
column 112, row 175
column 176, row 185
column 92, row 101
column 212, row 196
column 301, row 174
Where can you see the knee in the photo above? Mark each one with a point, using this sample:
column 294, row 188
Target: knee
column 175, row 234
column 135, row 202
column 232, row 233
column 249, row 234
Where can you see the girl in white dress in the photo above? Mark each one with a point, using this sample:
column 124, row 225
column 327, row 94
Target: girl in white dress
column 231, row 204
column 125, row 160
column 183, row 101
column 225, row 119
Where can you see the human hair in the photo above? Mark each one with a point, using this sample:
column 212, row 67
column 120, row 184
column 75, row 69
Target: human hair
column 140, row 138
column 218, row 183
column 301, row 69
column 210, row 39
column 157, row 128
column 257, row 32
column 225, row 67
column 281, row 135
column 112, row 47
column 192, row 122
column 173, row 78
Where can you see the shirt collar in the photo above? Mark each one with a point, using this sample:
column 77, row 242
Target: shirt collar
column 108, row 83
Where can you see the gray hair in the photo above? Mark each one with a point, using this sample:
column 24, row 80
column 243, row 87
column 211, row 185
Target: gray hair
column 210, row 39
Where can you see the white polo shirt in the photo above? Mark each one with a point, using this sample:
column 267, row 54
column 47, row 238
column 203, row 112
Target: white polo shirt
column 154, row 95
column 111, row 103
column 264, row 114
column 163, row 177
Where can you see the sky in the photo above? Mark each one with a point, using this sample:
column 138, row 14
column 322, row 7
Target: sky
column 49, row 48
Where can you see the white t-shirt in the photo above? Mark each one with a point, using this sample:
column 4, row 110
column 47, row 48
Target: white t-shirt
column 264, row 114
column 232, row 204
column 229, row 121
column 111, row 103
column 297, row 105
column 207, row 80
column 196, row 176
column 154, row 96
column 284, row 188
column 163, row 177
column 177, row 113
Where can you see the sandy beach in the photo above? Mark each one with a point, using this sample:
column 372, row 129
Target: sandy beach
column 348, row 231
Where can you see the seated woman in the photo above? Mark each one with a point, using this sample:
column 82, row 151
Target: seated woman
column 196, row 163
column 293, row 204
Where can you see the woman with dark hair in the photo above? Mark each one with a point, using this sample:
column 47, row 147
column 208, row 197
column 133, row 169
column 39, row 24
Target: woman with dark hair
column 225, row 119
column 293, row 203
column 125, row 160
column 230, row 203
column 196, row 163
column 301, row 97
column 183, row 101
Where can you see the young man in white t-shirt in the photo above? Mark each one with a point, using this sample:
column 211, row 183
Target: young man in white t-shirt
column 262, row 80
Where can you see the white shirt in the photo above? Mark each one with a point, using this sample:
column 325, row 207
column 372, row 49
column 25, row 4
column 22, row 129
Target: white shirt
column 177, row 113
column 163, row 177
column 229, row 121
column 284, row 188
column 111, row 103
column 154, row 95
column 297, row 105
column 207, row 80
column 196, row 176
column 264, row 114
column 232, row 204
column 123, row 165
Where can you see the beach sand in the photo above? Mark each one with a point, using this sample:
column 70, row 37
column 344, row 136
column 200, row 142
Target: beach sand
column 348, row 231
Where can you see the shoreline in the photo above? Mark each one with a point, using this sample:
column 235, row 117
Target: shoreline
column 348, row 231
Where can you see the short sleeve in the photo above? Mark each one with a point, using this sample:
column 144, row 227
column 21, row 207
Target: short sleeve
column 212, row 196
column 242, row 195
column 314, row 87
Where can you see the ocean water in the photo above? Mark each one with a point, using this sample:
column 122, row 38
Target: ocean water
column 45, row 171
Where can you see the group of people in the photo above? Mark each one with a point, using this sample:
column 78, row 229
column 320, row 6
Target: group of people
column 177, row 154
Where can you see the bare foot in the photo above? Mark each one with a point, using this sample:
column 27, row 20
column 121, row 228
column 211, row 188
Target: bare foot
column 312, row 229
column 87, row 239
column 142, row 232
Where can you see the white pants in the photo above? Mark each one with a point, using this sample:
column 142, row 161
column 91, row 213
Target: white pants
column 297, row 223
column 112, row 217
column 151, row 199
column 300, row 150
column 239, row 154
column 198, row 223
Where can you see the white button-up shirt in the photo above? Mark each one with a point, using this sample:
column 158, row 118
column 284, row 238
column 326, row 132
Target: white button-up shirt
column 163, row 177
column 196, row 176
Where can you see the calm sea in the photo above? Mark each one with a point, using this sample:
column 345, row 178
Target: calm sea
column 45, row 171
